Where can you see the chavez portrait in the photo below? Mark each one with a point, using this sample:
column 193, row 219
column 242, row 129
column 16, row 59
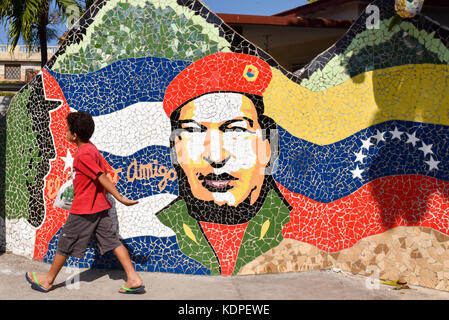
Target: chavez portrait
column 223, row 148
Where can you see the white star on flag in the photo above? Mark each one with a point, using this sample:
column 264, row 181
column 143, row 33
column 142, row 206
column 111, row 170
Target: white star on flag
column 359, row 156
column 396, row 134
column 426, row 148
column 412, row 139
column 68, row 161
column 432, row 164
column 379, row 136
column 357, row 173
column 366, row 144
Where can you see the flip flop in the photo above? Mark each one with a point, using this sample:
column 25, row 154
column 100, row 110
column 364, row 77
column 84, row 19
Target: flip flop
column 34, row 284
column 132, row 291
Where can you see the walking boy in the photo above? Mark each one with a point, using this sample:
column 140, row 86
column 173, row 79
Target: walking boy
column 89, row 211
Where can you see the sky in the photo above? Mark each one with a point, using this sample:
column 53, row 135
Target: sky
column 256, row 7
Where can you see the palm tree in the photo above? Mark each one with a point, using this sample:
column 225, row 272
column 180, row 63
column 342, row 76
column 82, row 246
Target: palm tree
column 33, row 20
column 87, row 5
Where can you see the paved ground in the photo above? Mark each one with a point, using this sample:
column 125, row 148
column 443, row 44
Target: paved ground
column 97, row 284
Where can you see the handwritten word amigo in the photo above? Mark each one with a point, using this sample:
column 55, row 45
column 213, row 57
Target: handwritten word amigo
column 147, row 171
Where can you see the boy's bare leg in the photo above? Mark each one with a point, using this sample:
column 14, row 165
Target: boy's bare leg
column 46, row 279
column 133, row 280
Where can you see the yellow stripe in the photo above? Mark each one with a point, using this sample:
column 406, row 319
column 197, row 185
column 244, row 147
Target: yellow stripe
column 411, row 93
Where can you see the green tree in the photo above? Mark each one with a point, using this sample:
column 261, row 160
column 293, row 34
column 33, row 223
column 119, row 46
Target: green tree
column 35, row 20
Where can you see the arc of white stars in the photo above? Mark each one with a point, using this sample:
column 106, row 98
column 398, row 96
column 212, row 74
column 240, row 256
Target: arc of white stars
column 395, row 134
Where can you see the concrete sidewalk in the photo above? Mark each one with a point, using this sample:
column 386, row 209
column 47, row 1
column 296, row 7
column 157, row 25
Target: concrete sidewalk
column 97, row 284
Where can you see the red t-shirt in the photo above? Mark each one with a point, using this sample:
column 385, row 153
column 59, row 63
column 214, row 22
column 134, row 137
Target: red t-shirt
column 89, row 194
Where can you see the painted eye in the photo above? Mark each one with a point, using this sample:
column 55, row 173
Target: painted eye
column 193, row 129
column 236, row 129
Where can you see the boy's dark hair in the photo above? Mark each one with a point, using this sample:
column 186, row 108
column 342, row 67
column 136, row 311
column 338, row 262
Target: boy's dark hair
column 82, row 124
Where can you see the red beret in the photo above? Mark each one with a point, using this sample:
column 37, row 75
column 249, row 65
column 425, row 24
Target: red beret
column 219, row 72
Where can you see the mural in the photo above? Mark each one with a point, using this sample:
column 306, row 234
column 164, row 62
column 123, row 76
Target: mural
column 240, row 166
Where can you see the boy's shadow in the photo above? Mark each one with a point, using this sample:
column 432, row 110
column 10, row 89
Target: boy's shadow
column 91, row 275
column 103, row 265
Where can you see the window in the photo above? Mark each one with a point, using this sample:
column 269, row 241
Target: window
column 12, row 71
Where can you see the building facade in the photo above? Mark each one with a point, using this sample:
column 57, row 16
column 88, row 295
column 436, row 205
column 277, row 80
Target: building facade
column 19, row 66
column 296, row 36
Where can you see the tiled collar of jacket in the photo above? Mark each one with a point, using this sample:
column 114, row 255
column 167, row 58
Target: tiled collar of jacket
column 263, row 232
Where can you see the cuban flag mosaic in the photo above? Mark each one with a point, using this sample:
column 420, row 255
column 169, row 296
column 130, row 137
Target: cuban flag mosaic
column 361, row 133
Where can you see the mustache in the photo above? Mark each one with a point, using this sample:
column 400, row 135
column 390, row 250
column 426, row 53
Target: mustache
column 216, row 177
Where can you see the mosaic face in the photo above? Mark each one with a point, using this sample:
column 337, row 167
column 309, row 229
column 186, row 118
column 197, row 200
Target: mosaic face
column 221, row 149
column 357, row 177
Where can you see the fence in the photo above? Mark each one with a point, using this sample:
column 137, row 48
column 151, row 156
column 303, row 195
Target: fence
column 26, row 49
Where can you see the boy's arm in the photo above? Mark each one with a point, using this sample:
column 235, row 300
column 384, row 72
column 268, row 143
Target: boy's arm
column 109, row 186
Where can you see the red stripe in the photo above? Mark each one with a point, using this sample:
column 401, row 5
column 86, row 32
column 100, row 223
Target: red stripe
column 385, row 203
column 54, row 217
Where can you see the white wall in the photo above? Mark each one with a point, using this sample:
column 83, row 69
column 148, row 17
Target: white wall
column 347, row 11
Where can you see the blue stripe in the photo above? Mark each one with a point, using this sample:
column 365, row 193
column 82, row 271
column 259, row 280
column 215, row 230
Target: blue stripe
column 322, row 173
column 148, row 253
column 120, row 84
column 144, row 173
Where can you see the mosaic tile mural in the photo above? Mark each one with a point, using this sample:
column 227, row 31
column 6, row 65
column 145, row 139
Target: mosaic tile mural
column 239, row 166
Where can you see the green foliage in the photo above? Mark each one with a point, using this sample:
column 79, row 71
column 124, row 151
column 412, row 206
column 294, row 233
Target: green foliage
column 32, row 20
column 130, row 30
column 21, row 146
column 404, row 44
